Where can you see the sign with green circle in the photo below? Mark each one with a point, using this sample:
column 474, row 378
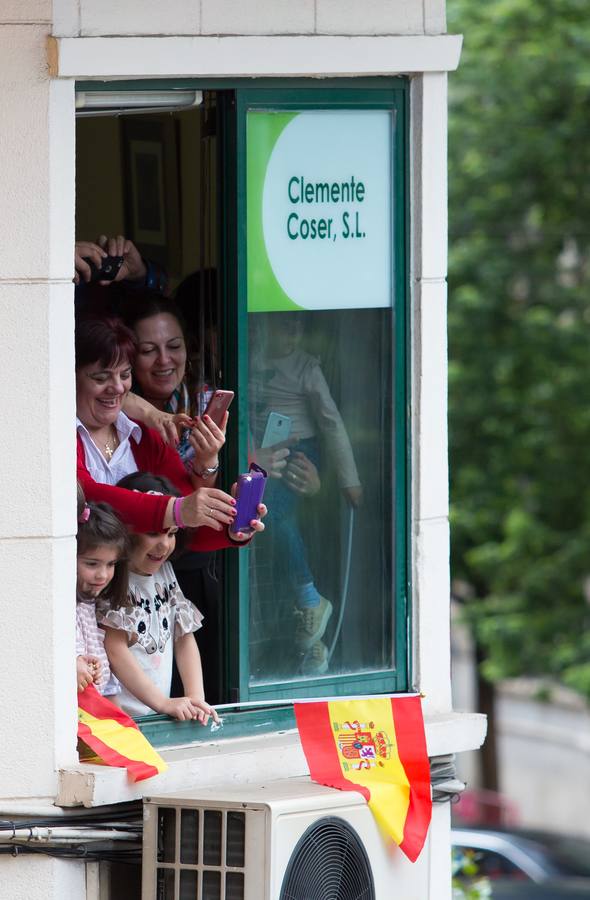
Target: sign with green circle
column 319, row 209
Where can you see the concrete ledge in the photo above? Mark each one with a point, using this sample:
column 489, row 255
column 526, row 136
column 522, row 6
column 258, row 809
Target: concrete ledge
column 112, row 58
column 240, row 761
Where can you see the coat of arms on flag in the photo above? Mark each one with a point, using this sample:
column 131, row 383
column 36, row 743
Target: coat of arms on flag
column 376, row 746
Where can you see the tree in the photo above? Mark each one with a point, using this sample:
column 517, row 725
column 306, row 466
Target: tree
column 519, row 334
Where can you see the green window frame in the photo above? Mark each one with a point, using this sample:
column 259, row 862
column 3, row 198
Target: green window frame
column 234, row 100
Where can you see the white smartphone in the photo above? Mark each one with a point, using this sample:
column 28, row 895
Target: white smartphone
column 278, row 429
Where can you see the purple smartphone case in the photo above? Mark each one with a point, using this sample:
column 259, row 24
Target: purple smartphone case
column 249, row 494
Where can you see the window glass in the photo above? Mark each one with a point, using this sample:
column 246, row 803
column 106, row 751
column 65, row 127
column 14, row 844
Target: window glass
column 319, row 282
column 321, row 425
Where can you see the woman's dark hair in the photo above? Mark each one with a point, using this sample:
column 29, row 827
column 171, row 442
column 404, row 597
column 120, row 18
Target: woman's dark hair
column 198, row 297
column 145, row 482
column 104, row 527
column 106, row 341
column 145, row 304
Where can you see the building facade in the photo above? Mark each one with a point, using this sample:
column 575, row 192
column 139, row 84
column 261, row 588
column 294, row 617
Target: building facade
column 364, row 86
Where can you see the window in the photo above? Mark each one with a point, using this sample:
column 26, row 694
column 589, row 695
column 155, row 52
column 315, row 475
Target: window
column 292, row 199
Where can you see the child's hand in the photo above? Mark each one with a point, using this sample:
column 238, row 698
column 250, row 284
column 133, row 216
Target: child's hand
column 205, row 711
column 95, row 667
column 181, row 708
column 354, row 495
column 84, row 672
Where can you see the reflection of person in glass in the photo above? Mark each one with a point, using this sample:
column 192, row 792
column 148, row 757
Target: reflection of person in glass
column 289, row 387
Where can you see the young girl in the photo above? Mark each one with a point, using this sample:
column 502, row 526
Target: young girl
column 101, row 574
column 154, row 625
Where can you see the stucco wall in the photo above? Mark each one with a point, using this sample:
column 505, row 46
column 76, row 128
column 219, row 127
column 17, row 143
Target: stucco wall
column 208, row 17
column 36, row 409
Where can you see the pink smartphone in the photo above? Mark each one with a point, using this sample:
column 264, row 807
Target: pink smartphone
column 248, row 496
column 218, row 406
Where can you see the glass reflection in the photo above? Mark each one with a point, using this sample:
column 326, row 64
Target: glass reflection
column 320, row 423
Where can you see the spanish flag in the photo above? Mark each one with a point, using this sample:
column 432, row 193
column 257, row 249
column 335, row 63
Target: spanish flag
column 115, row 737
column 376, row 746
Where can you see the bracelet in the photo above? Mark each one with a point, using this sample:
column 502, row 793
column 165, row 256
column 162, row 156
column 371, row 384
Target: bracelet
column 176, row 514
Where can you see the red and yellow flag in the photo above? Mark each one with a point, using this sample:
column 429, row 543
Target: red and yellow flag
column 378, row 747
column 115, row 737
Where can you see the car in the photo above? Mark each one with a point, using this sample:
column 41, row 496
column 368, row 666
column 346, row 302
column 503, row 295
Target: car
column 526, row 862
column 553, row 889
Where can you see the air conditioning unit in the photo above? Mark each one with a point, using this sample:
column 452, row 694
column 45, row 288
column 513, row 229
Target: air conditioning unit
column 284, row 840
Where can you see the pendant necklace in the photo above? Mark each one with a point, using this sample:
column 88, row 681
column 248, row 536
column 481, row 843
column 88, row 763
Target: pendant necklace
column 111, row 445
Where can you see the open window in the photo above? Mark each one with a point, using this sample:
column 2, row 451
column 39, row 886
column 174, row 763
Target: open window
column 284, row 211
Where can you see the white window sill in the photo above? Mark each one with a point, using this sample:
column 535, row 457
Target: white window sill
column 242, row 760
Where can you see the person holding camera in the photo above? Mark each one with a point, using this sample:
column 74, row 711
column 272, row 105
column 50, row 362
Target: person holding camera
column 111, row 260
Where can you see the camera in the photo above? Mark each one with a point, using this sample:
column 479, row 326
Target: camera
column 109, row 268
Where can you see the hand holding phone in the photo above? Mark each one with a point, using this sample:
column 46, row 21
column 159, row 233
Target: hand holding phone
column 277, row 430
column 249, row 494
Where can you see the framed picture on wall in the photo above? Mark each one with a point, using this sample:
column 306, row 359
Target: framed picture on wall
column 151, row 188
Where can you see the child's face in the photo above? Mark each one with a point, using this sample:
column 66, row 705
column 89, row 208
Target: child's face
column 95, row 569
column 150, row 551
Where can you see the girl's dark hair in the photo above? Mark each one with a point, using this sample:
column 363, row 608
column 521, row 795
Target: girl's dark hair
column 80, row 500
column 146, row 482
column 106, row 341
column 104, row 527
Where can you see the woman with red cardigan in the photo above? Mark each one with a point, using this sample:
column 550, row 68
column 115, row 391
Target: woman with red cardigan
column 110, row 446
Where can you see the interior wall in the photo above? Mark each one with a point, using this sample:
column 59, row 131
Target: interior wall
column 101, row 184
column 99, row 178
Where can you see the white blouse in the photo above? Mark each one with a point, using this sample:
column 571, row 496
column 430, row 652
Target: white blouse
column 122, row 461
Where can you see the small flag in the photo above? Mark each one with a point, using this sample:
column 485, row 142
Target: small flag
column 115, row 737
column 376, row 746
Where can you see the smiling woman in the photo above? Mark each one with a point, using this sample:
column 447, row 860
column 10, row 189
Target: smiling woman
column 110, row 446
column 163, row 376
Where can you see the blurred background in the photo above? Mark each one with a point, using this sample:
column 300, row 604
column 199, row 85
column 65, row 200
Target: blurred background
column 519, row 416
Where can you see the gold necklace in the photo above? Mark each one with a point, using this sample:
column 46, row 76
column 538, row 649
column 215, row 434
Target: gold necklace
column 108, row 449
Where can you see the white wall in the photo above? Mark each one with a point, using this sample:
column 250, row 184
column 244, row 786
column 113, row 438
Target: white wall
column 207, row 17
column 42, row 878
column 36, row 409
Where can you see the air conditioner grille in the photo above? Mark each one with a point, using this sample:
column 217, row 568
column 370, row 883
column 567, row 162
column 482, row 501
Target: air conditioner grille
column 329, row 862
column 212, row 837
column 201, row 854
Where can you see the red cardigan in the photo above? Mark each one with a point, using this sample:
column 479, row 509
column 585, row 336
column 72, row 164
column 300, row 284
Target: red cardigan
column 145, row 512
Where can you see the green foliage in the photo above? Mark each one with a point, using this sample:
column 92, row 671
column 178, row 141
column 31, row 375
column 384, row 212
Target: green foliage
column 519, row 332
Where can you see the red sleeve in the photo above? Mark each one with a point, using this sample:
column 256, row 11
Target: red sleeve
column 153, row 455
column 145, row 512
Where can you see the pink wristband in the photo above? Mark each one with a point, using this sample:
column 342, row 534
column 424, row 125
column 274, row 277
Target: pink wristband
column 176, row 515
